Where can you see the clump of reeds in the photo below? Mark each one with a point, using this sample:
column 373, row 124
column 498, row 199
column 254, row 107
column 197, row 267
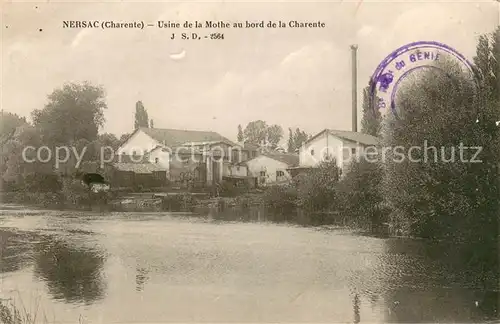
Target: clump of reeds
column 10, row 313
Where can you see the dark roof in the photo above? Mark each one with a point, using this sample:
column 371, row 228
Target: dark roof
column 138, row 167
column 288, row 158
column 178, row 137
column 356, row 137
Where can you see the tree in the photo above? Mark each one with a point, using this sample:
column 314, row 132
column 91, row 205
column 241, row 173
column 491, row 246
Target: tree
column 255, row 132
column 240, row 134
column 447, row 199
column 108, row 139
column 14, row 167
column 317, row 190
column 435, row 108
column 9, row 122
column 141, row 116
column 299, row 138
column 360, row 200
column 291, row 143
column 274, row 135
column 75, row 111
column 372, row 118
column 487, row 62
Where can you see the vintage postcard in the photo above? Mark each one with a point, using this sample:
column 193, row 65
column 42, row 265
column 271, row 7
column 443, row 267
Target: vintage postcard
column 249, row 162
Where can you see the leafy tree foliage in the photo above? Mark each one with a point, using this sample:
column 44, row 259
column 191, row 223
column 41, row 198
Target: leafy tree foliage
column 274, row 135
column 258, row 132
column 108, row 140
column 241, row 137
column 291, row 143
column 446, row 195
column 371, row 121
column 75, row 111
column 360, row 200
column 296, row 139
column 442, row 110
column 141, row 116
column 317, row 190
column 255, row 132
column 487, row 61
column 9, row 122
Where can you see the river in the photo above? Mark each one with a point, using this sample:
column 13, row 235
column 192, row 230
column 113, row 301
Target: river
column 88, row 267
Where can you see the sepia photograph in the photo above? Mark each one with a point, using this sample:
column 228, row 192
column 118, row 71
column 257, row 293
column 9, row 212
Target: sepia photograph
column 249, row 161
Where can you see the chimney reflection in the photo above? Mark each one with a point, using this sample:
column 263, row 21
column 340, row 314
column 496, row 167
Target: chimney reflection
column 355, row 305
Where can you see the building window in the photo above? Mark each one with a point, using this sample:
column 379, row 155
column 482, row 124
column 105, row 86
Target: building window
column 280, row 173
column 238, row 168
column 353, row 150
column 254, row 154
column 156, row 160
column 312, row 152
column 262, row 173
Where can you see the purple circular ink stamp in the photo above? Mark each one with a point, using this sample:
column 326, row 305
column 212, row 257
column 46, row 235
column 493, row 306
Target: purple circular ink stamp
column 406, row 59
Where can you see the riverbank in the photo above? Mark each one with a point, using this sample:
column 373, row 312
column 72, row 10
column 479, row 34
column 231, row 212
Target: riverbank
column 265, row 205
column 143, row 201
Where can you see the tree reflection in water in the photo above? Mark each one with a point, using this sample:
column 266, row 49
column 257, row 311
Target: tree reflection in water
column 427, row 282
column 15, row 250
column 415, row 281
column 72, row 274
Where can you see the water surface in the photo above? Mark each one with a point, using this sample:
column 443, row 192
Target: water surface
column 173, row 267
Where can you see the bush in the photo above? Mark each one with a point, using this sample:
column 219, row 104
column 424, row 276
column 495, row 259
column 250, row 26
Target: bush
column 41, row 182
column 75, row 193
column 282, row 199
column 228, row 189
column 359, row 199
column 317, row 190
column 178, row 202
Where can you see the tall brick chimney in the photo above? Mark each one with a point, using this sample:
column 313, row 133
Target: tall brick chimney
column 354, row 49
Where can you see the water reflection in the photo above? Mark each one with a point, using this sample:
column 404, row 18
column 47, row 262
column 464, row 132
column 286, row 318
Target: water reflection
column 425, row 284
column 72, row 274
column 169, row 268
column 355, row 306
column 15, row 250
column 141, row 277
column 249, row 214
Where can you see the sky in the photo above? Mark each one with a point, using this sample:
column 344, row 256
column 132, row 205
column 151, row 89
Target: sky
column 291, row 77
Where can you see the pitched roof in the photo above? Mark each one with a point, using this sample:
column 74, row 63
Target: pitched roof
column 288, row 158
column 174, row 150
column 357, row 137
column 124, row 158
column 178, row 137
column 138, row 167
